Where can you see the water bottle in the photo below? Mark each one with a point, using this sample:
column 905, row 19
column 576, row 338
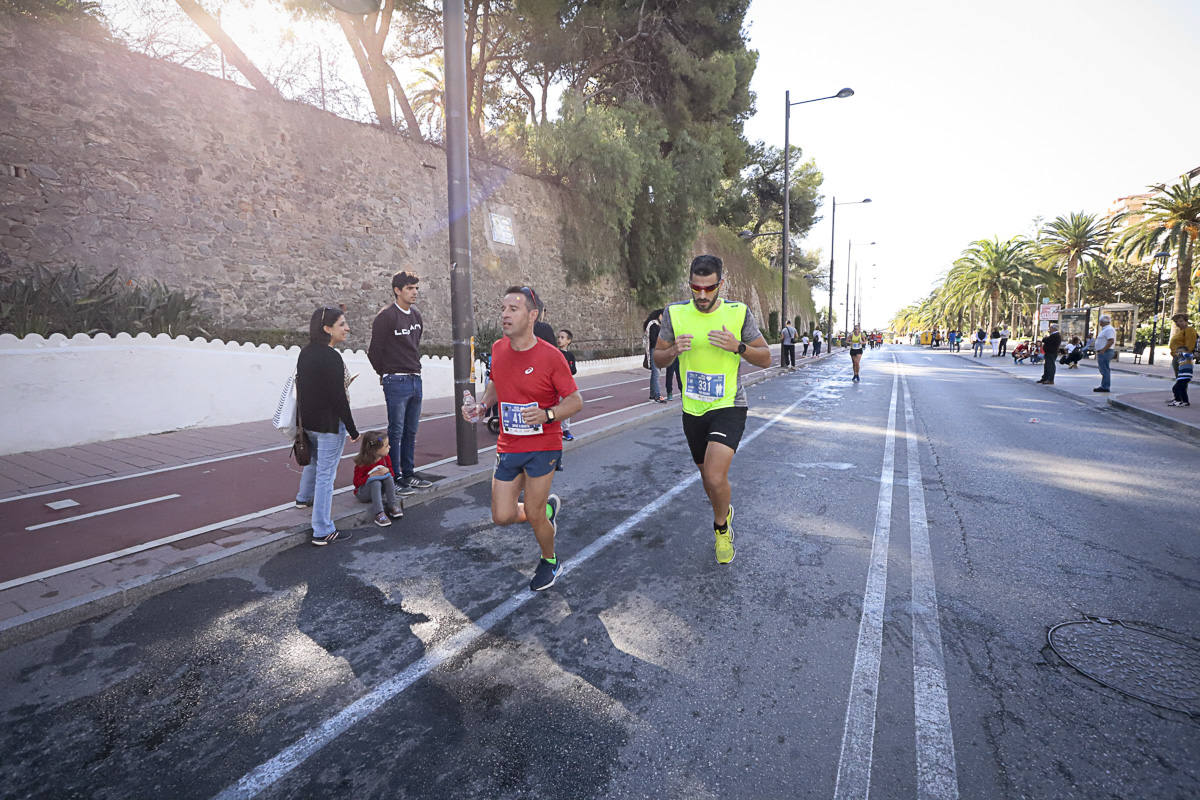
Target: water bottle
column 471, row 406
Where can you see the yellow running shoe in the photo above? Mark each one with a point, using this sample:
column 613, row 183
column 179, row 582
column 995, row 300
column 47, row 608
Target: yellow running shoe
column 725, row 539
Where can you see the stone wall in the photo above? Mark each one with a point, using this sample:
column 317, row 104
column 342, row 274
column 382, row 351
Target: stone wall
column 266, row 208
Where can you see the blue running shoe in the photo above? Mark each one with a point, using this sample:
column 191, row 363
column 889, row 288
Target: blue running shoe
column 545, row 575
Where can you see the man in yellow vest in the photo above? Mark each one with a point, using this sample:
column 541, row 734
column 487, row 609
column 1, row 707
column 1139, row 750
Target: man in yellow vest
column 710, row 337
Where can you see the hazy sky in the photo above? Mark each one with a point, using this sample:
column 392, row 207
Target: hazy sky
column 971, row 117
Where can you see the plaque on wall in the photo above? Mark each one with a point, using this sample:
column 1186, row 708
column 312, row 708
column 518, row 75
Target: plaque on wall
column 502, row 229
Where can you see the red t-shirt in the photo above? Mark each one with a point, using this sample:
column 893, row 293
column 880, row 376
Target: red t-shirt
column 538, row 376
column 361, row 470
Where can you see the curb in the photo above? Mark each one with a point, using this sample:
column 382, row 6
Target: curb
column 1190, row 431
column 39, row 622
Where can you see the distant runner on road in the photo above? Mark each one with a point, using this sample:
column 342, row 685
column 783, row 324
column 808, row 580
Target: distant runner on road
column 529, row 375
column 710, row 337
column 856, row 350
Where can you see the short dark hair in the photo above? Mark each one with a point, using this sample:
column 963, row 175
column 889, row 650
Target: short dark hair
column 706, row 265
column 402, row 279
column 326, row 315
column 568, row 333
column 532, row 302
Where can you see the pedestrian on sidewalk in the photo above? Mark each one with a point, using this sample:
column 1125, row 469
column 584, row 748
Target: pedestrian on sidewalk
column 533, row 385
column 1004, row 334
column 1050, row 344
column 711, row 336
column 1106, row 340
column 787, row 346
column 650, row 330
column 977, row 343
column 324, row 410
column 804, row 343
column 395, row 353
column 1183, row 374
column 565, row 337
column 373, row 481
column 952, row 339
column 1183, row 338
column 673, row 379
column 818, row 339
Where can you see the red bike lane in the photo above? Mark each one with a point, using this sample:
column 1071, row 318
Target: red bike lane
column 190, row 500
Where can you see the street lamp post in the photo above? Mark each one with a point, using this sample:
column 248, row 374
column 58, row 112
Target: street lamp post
column 849, row 250
column 787, row 184
column 1161, row 257
column 832, row 251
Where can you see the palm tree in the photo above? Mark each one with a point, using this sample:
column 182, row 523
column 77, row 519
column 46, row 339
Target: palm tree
column 988, row 270
column 1073, row 242
column 1170, row 222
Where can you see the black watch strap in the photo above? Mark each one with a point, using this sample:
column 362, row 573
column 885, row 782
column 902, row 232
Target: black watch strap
column 741, row 348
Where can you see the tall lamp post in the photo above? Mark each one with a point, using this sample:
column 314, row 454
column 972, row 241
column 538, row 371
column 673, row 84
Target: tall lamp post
column 832, row 251
column 458, row 202
column 787, row 184
column 1161, row 257
column 849, row 250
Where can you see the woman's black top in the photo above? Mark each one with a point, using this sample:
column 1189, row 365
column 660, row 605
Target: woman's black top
column 321, row 390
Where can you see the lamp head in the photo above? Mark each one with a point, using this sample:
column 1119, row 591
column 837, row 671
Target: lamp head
column 847, row 92
column 745, row 235
column 866, row 200
column 1162, row 255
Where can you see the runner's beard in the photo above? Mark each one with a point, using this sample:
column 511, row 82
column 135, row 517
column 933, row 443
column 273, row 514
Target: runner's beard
column 705, row 304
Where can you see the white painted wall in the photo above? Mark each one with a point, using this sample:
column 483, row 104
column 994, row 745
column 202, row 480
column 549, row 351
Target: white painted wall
column 60, row 392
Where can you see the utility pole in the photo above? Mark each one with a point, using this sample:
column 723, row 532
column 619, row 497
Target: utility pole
column 458, row 180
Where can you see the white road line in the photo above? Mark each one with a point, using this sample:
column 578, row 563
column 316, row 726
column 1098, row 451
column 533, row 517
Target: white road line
column 271, row 772
column 854, row 766
column 605, row 397
column 102, row 512
column 937, row 776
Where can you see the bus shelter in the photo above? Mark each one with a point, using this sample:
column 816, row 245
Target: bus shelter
column 1125, row 320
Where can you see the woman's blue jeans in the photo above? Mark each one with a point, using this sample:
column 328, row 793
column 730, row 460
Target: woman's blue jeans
column 316, row 481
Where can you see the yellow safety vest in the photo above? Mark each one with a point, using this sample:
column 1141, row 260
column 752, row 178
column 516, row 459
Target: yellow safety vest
column 709, row 373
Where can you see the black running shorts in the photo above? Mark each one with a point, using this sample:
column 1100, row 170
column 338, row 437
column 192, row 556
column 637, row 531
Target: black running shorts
column 724, row 425
column 854, row 352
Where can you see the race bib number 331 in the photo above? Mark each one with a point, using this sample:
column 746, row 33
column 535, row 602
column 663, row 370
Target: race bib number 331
column 514, row 422
column 704, row 387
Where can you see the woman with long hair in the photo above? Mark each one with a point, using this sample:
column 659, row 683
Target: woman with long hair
column 325, row 416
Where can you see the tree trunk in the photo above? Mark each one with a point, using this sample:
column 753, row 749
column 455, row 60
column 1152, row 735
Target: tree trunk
column 1183, row 273
column 1069, row 294
column 994, row 316
column 233, row 54
column 410, row 118
column 377, row 86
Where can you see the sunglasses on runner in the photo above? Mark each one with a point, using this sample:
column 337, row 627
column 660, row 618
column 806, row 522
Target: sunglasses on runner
column 705, row 289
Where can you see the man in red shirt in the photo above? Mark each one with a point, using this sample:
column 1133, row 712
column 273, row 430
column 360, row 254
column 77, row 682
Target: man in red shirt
column 529, row 375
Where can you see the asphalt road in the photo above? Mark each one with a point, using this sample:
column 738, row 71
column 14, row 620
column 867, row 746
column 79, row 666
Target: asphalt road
column 835, row 656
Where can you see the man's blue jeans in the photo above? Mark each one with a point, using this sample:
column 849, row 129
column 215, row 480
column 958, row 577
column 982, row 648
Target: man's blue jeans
column 1103, row 360
column 316, row 481
column 403, row 396
column 655, row 392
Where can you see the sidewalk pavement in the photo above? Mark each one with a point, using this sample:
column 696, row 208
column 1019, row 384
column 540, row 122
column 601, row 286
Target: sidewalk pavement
column 38, row 607
column 1137, row 389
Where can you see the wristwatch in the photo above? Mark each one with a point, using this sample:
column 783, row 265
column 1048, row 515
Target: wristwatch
column 549, row 414
column 741, row 348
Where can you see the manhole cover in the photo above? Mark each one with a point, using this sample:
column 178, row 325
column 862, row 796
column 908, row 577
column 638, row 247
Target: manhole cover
column 1160, row 669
